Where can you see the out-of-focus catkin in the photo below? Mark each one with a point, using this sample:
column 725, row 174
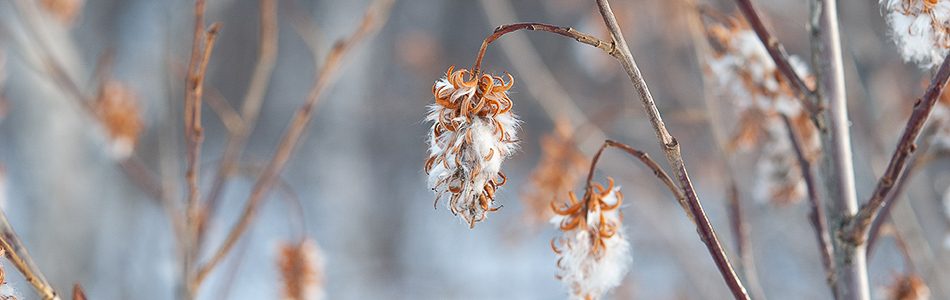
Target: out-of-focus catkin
column 592, row 254
column 64, row 11
column 561, row 168
column 116, row 107
column 748, row 79
column 473, row 130
column 907, row 287
column 301, row 270
column 920, row 28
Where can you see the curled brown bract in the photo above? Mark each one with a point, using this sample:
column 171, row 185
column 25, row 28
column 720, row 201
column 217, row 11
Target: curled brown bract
column 576, row 215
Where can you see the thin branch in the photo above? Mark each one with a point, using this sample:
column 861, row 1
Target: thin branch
column 672, row 152
column 376, row 16
column 817, row 214
column 856, row 231
column 251, row 107
column 777, row 52
column 17, row 254
column 565, row 31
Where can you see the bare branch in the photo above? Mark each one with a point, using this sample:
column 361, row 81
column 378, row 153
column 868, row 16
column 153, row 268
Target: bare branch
column 374, row 17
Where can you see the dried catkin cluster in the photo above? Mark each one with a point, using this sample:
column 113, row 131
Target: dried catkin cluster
column 747, row 77
column 921, row 29
column 561, row 168
column 473, row 130
column 593, row 254
column 116, row 106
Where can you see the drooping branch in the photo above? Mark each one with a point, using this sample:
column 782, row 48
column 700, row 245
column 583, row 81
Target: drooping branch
column 565, row 31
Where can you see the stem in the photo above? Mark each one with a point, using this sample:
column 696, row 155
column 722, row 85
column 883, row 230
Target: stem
column 672, row 152
column 777, row 52
column 850, row 259
column 17, row 254
column 817, row 215
column 292, row 137
column 857, row 230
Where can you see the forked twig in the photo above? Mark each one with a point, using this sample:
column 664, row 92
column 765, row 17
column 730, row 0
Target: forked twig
column 17, row 254
column 374, row 17
column 856, row 231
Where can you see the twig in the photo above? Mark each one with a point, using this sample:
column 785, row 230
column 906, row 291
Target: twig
column 817, row 214
column 17, row 254
column 838, row 166
column 777, row 52
column 856, row 231
column 251, row 106
column 672, row 151
column 375, row 16
column 202, row 44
